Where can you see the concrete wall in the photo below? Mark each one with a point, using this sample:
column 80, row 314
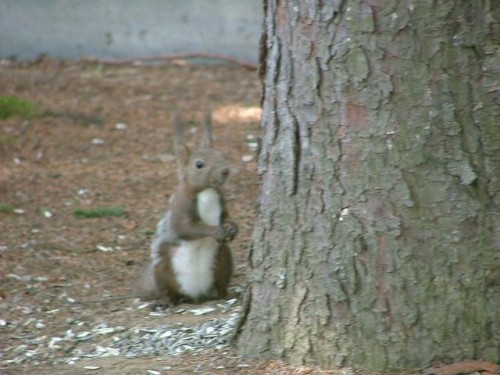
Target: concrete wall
column 129, row 28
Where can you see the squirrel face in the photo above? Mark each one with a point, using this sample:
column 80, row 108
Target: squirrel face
column 205, row 168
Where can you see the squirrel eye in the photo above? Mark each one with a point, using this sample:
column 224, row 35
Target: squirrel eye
column 199, row 164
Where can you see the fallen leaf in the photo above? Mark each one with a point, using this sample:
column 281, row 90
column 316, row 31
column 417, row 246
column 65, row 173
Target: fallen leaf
column 129, row 224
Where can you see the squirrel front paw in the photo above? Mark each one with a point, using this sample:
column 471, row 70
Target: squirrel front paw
column 226, row 231
column 230, row 230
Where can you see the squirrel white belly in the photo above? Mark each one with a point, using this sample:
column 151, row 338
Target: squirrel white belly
column 193, row 261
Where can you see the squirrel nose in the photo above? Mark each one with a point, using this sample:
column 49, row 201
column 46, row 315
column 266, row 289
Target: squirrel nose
column 225, row 172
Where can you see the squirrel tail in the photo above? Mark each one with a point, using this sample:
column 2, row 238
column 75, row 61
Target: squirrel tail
column 147, row 287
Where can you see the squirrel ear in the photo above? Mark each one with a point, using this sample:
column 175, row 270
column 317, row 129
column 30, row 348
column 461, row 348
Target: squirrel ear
column 207, row 130
column 182, row 152
column 178, row 128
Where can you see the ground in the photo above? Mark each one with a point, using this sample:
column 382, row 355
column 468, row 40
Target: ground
column 102, row 137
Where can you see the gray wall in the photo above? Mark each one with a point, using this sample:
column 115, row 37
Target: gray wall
column 129, row 28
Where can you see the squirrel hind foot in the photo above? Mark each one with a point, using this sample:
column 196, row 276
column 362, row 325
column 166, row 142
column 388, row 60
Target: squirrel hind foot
column 159, row 306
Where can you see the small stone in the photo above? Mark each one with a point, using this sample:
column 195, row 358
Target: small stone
column 83, row 335
column 27, row 310
column 105, row 249
column 82, row 191
column 202, row 311
column 53, row 343
column 69, row 334
column 254, row 146
column 143, row 306
column 121, row 126
column 156, row 313
column 166, row 334
column 98, row 141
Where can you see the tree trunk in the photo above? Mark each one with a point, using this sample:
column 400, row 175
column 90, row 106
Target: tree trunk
column 377, row 240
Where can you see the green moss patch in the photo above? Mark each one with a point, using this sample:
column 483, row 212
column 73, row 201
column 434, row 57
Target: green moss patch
column 11, row 106
column 97, row 212
column 6, row 208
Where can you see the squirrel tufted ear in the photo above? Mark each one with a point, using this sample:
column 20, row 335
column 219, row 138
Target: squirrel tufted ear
column 207, row 130
column 178, row 127
column 181, row 150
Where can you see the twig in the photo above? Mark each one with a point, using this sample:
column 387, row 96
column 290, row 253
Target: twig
column 173, row 56
column 107, row 299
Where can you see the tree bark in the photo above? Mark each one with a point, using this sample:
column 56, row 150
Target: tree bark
column 377, row 240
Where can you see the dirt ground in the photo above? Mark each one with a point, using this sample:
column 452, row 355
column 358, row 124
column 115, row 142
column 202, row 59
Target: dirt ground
column 103, row 138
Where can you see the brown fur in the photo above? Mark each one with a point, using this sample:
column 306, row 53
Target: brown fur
column 223, row 270
column 165, row 278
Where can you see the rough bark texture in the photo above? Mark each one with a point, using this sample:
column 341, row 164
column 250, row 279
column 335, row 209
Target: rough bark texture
column 378, row 235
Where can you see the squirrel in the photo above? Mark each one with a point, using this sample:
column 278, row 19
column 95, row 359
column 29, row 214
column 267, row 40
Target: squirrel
column 190, row 255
